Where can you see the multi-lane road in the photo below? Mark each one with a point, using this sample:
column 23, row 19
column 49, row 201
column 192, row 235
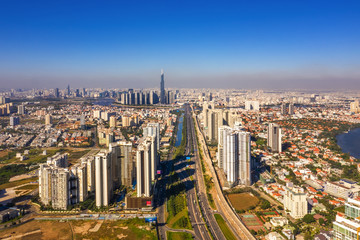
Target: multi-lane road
column 200, row 213
column 232, row 219
column 207, row 212
column 199, row 225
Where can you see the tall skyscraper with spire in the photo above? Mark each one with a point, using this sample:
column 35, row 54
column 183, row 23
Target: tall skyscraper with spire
column 162, row 88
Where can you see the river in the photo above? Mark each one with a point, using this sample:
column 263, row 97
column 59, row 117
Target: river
column 350, row 142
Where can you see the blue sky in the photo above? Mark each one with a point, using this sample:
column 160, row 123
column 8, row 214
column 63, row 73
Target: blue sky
column 227, row 44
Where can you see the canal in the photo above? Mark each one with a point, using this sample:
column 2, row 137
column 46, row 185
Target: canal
column 179, row 131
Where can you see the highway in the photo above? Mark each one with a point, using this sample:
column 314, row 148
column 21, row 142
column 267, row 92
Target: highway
column 229, row 215
column 201, row 218
column 207, row 212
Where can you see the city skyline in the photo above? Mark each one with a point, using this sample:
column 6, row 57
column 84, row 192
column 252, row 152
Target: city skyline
column 280, row 45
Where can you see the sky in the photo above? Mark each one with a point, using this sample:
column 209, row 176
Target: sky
column 199, row 44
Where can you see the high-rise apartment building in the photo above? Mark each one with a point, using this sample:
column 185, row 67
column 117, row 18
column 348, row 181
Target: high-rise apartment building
column 21, row 109
column 90, row 172
column 112, row 122
column 97, row 114
column 56, row 92
column 291, row 109
column 82, row 122
column 162, row 88
column 152, row 133
column 234, row 155
column 252, row 105
column 127, row 163
column 274, row 137
column 58, row 160
column 48, row 119
column 153, row 129
column 60, row 187
column 295, row 202
column 346, row 226
column 283, row 109
column 354, row 107
column 103, row 178
column 14, row 121
column 143, row 165
column 80, row 172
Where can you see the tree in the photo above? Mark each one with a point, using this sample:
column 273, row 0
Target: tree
column 321, row 221
column 265, row 204
column 308, row 218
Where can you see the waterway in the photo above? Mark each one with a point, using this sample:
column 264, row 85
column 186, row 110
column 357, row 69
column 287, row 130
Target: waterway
column 179, row 132
column 350, row 142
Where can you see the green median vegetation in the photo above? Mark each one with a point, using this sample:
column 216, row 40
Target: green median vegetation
column 178, row 236
column 224, row 227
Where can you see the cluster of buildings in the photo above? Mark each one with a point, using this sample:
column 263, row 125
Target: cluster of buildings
column 99, row 174
column 102, row 173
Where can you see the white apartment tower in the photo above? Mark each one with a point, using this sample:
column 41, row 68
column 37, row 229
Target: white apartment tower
column 103, row 178
column 234, row 155
column 90, row 172
column 143, row 174
column 54, row 186
column 152, row 131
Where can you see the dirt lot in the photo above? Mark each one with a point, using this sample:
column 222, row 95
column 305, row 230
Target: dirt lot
column 129, row 229
column 243, row 201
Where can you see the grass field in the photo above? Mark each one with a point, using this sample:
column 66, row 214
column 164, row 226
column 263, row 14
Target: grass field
column 127, row 229
column 178, row 236
column 243, row 201
column 17, row 183
column 224, row 227
column 28, row 187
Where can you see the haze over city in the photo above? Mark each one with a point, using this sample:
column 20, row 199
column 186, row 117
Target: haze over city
column 231, row 44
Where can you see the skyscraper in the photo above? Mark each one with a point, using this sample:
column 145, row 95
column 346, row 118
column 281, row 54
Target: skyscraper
column 274, row 137
column 162, row 88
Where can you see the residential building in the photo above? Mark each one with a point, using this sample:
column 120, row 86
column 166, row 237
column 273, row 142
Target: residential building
column 14, row 121
column 143, row 174
column 295, row 202
column 48, row 119
column 274, row 137
column 103, row 178
column 234, row 155
column 345, row 227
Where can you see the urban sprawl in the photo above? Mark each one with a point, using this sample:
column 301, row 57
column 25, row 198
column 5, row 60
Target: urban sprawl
column 213, row 164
